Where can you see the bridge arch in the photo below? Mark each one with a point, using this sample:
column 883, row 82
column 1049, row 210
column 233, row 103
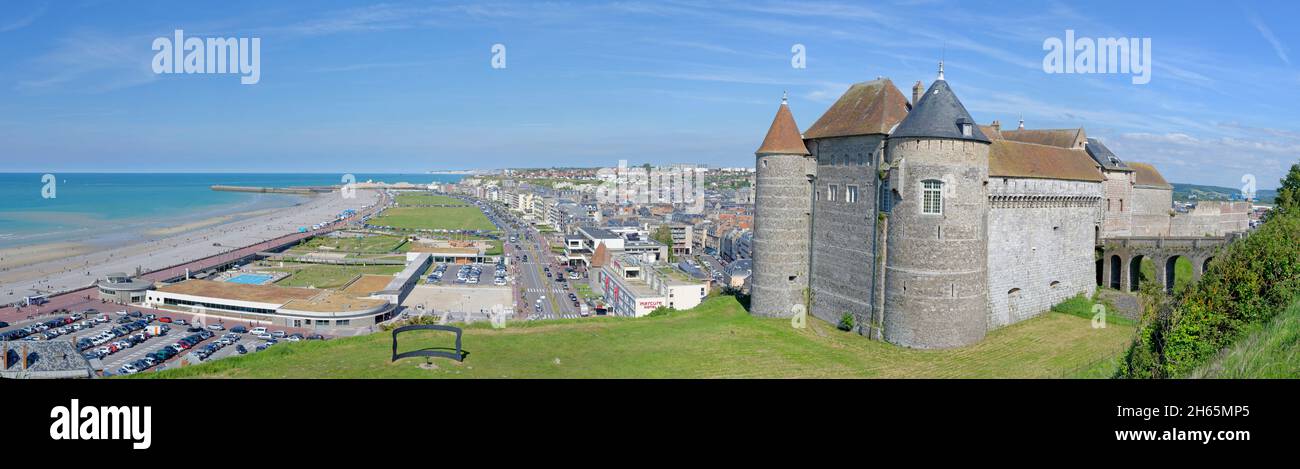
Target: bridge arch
column 1116, row 268
column 1171, row 276
column 1135, row 272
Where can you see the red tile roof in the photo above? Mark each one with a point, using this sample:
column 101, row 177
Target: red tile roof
column 783, row 137
column 867, row 108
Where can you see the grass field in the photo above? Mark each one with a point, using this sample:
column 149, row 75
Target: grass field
column 368, row 244
column 329, row 276
column 434, row 218
column 716, row 340
column 1270, row 350
column 428, row 199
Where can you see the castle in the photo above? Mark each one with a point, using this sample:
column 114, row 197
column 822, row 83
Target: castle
column 931, row 230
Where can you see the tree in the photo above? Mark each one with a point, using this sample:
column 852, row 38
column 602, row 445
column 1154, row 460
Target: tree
column 665, row 235
column 1288, row 196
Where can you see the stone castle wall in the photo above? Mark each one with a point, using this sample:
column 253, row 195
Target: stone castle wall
column 936, row 283
column 1117, row 205
column 1041, row 242
column 843, row 254
column 1211, row 219
column 1151, row 208
column 782, row 210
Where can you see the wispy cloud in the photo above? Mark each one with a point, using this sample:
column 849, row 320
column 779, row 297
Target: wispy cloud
column 91, row 62
column 24, row 20
column 1278, row 48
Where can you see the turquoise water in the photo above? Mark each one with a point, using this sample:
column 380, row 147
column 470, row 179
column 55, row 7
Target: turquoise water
column 250, row 279
column 105, row 207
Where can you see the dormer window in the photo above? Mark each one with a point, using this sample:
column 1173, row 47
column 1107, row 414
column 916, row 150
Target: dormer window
column 966, row 127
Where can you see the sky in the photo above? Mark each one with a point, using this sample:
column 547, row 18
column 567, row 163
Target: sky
column 410, row 86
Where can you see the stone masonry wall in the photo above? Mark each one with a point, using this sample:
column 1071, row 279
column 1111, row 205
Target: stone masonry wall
column 781, row 234
column 1117, row 204
column 843, row 254
column 1151, row 209
column 1040, row 245
column 1211, row 219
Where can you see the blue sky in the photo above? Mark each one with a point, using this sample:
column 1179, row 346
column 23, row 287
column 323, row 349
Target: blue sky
column 408, row 86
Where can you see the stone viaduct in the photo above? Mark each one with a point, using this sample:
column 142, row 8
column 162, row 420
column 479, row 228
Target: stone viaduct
column 1121, row 258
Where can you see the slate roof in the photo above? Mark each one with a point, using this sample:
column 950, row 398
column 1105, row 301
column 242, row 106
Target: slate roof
column 1148, row 176
column 783, row 136
column 1009, row 158
column 867, row 108
column 937, row 115
column 1104, row 157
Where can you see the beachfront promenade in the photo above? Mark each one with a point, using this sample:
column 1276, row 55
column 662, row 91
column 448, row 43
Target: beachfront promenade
column 88, row 297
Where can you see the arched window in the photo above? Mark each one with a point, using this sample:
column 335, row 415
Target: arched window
column 932, row 197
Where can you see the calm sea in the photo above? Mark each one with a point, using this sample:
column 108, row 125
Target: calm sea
column 98, row 207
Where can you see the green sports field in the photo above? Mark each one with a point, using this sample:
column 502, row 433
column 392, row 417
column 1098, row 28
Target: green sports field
column 428, row 199
column 716, row 340
column 434, row 218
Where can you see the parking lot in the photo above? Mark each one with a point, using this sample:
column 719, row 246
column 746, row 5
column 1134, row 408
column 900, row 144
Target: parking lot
column 120, row 338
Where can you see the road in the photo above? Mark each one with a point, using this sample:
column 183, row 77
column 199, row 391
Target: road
column 529, row 278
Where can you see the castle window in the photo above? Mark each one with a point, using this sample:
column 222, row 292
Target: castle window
column 932, row 197
column 832, row 192
column 851, row 194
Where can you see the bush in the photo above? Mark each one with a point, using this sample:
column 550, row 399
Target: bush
column 846, row 322
column 1251, row 281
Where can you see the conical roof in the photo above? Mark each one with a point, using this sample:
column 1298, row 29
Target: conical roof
column 938, row 115
column 783, row 137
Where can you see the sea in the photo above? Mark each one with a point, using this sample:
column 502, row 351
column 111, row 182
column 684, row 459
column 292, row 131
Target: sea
column 110, row 207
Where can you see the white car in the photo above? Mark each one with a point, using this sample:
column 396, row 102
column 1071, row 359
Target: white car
column 264, row 336
column 128, row 369
column 258, row 331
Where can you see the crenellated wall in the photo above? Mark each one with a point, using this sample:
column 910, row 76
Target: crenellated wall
column 1041, row 244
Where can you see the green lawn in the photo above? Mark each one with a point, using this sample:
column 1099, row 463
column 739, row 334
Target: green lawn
column 329, row 276
column 716, row 340
column 434, row 218
column 1270, row 350
column 367, row 244
column 428, row 199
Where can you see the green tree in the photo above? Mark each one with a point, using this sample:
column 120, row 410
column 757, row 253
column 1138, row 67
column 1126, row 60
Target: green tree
column 1288, row 196
column 665, row 235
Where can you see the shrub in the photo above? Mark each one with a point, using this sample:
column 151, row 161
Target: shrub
column 1251, row 281
column 846, row 322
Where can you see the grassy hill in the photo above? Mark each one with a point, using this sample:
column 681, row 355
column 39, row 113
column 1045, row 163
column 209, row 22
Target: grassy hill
column 715, row 340
column 1184, row 193
column 1268, row 351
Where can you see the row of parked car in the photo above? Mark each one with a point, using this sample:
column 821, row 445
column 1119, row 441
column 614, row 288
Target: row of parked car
column 119, row 337
column 227, row 339
column 45, row 330
column 165, row 352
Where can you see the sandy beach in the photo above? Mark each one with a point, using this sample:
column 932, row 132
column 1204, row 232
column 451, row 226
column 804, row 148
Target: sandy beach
column 65, row 266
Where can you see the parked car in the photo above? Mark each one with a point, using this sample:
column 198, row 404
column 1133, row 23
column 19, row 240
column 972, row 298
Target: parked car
column 258, row 330
column 239, row 330
column 216, row 327
column 240, row 348
column 165, row 319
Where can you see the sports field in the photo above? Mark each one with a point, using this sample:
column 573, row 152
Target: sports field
column 428, row 199
column 329, row 276
column 434, row 218
column 716, row 340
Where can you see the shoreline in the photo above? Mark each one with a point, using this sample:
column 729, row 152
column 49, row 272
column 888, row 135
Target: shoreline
column 63, row 266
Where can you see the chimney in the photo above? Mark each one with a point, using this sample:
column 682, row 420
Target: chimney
column 917, row 91
column 997, row 126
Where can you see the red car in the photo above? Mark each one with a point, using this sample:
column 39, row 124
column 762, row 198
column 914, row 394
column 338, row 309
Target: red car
column 165, row 319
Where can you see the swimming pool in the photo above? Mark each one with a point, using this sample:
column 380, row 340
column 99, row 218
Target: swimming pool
column 251, row 279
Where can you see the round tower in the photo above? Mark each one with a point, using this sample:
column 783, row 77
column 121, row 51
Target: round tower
column 782, row 208
column 936, row 272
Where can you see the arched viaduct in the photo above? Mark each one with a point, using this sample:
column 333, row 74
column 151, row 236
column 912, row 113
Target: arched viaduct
column 1121, row 258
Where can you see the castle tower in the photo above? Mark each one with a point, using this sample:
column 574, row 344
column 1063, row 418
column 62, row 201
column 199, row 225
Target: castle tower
column 936, row 280
column 782, row 207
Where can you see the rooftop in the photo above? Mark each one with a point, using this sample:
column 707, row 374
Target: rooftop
column 938, row 115
column 783, row 136
column 301, row 299
column 1148, row 176
column 1009, row 158
column 867, row 108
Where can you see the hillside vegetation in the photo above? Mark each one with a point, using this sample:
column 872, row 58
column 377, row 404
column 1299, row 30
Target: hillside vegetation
column 1271, row 350
column 1252, row 281
column 718, row 339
